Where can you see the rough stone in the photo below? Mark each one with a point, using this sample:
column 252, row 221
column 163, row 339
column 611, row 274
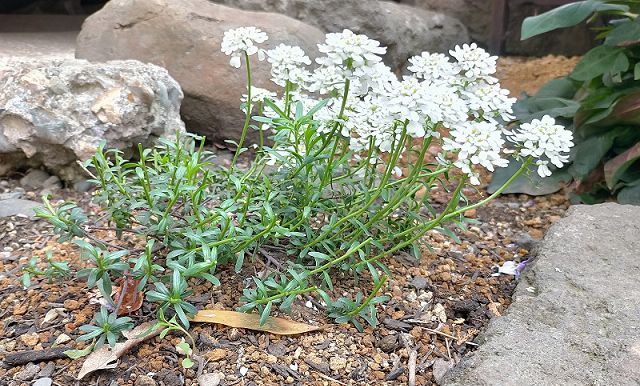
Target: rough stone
column 18, row 207
column 144, row 380
column 43, row 382
column 476, row 15
column 210, row 379
column 54, row 112
column 47, row 371
column 576, row 312
column 404, row 30
column 184, row 36
column 10, row 195
column 35, row 179
column 28, row 373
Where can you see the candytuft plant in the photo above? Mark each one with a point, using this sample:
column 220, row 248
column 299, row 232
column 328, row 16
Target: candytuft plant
column 344, row 181
column 599, row 101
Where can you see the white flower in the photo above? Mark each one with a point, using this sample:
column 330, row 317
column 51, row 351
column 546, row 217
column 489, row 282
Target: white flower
column 477, row 143
column 258, row 95
column 326, row 80
column 349, row 50
column 474, row 62
column 432, row 66
column 286, row 64
column 404, row 105
column 543, row 168
column 545, row 141
column 375, row 79
column 489, row 101
column 441, row 105
column 239, row 41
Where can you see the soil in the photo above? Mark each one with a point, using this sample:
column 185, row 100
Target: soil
column 521, row 74
column 438, row 304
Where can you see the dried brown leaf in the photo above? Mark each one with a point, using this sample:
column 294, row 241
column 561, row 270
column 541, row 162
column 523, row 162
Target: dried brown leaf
column 107, row 358
column 278, row 326
column 132, row 298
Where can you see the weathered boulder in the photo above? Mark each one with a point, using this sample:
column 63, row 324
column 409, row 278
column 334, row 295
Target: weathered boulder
column 405, row 30
column 184, row 37
column 477, row 16
column 18, row 207
column 56, row 111
column 576, row 312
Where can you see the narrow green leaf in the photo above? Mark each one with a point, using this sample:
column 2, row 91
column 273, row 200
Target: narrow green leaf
column 265, row 313
column 75, row 354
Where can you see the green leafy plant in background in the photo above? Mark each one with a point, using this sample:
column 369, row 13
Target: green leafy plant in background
column 599, row 101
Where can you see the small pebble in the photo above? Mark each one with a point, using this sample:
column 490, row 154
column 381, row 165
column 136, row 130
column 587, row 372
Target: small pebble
column 144, row 380
column 210, row 379
column 43, row 382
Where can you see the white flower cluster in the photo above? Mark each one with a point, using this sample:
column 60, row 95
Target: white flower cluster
column 287, row 65
column 545, row 141
column 239, row 41
column 458, row 93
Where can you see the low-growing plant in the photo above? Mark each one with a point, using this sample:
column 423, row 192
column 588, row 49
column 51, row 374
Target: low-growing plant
column 53, row 270
column 344, row 180
column 599, row 101
column 108, row 327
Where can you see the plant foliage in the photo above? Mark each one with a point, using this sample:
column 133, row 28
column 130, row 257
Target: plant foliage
column 599, row 101
column 325, row 201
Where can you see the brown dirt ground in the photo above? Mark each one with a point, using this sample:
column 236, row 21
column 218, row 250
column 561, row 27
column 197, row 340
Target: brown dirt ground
column 438, row 305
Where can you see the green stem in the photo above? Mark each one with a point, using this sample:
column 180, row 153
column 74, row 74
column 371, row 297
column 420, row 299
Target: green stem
column 444, row 216
column 373, row 293
column 247, row 119
column 285, row 294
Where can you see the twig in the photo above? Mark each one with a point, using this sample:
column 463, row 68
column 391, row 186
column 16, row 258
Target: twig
column 271, row 259
column 123, row 290
column 22, row 357
column 416, row 321
column 328, row 378
column 413, row 357
column 446, row 341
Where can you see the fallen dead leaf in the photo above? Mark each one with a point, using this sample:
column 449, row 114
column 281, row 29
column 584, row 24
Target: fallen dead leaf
column 132, row 299
column 107, row 358
column 278, row 326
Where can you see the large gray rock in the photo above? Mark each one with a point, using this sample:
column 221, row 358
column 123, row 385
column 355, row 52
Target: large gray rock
column 18, row 207
column 405, row 30
column 575, row 319
column 184, row 36
column 477, row 16
column 56, row 111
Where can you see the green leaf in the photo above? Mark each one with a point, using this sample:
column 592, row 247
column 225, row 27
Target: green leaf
column 535, row 108
column 239, row 261
column 630, row 194
column 265, row 313
column 589, row 154
column 596, row 62
column 75, row 354
column 187, row 363
column 528, row 183
column 636, row 71
column 565, row 16
column 616, row 167
column 558, row 88
column 624, row 34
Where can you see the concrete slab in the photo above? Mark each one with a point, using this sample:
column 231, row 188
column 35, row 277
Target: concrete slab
column 575, row 319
